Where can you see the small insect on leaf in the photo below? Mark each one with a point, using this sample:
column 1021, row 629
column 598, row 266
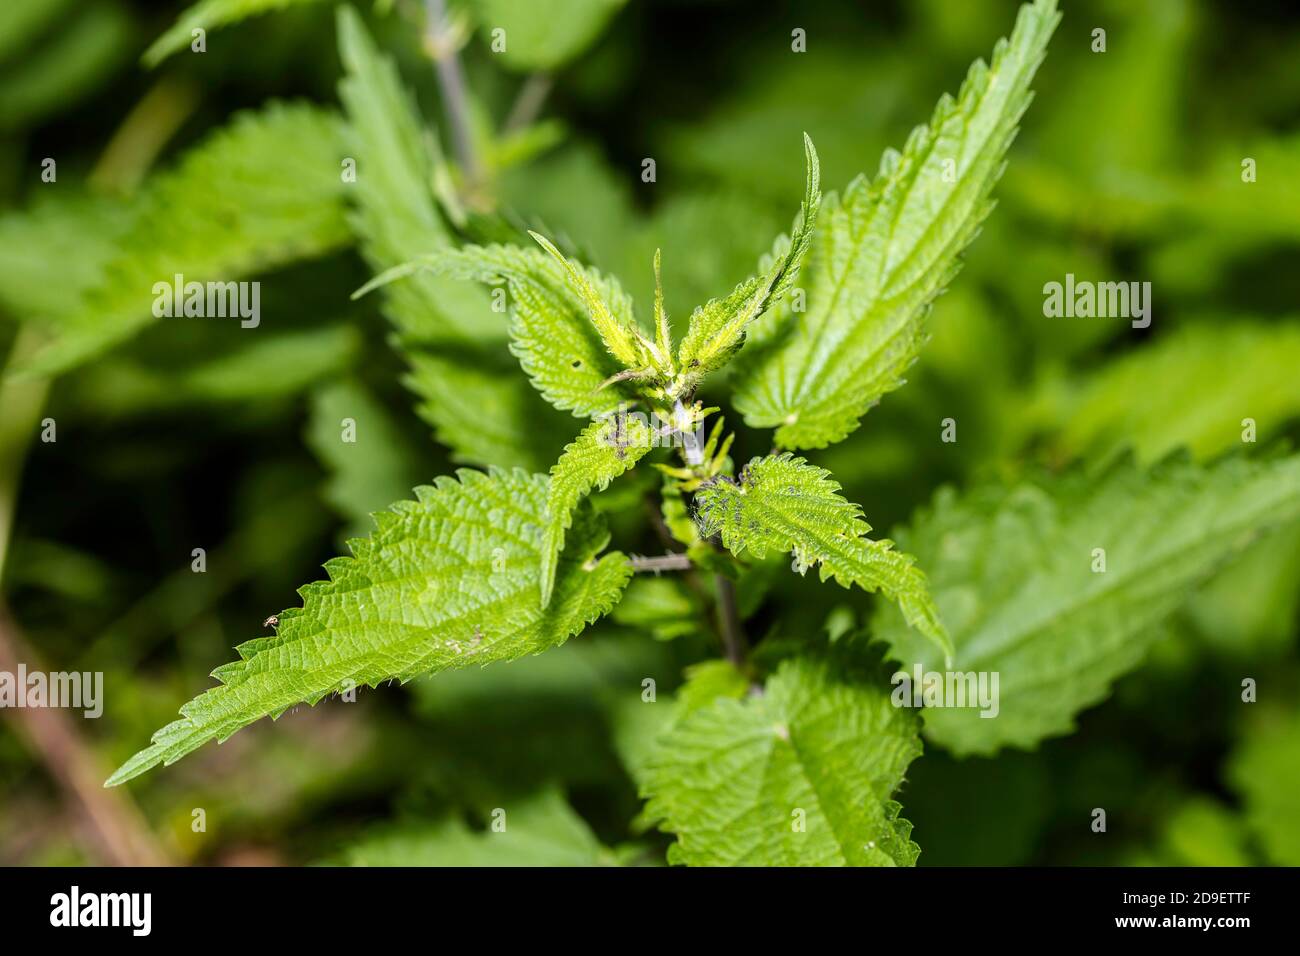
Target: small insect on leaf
column 272, row 621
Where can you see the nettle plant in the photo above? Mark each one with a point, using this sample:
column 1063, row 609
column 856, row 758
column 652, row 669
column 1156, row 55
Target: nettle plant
column 789, row 750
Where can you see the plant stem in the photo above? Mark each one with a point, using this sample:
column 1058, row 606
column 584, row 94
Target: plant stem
column 441, row 46
column 145, row 131
column 664, row 562
column 733, row 638
column 528, row 103
column 119, row 834
column 113, row 821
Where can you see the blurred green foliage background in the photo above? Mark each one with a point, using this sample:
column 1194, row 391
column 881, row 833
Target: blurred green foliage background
column 188, row 435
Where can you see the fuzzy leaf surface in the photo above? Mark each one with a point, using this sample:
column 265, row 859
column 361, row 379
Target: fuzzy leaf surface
column 456, row 345
column 884, row 250
column 728, row 777
column 784, row 504
column 446, row 581
column 552, row 332
column 1011, row 570
column 603, row 451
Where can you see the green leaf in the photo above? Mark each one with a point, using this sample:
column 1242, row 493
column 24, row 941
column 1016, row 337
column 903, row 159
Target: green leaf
column 660, row 606
column 55, row 251
column 785, row 504
column 164, row 372
column 677, row 514
column 483, row 409
column 76, row 60
column 639, row 725
column 446, row 581
column 1265, row 771
column 1153, row 399
column 370, row 467
column 22, row 24
column 208, row 15
column 541, row 830
column 603, row 451
column 618, row 333
column 1248, row 611
column 1198, row 832
column 707, row 682
column 717, row 329
column 884, row 250
column 454, row 342
column 259, row 193
column 542, row 34
column 1223, row 225
column 1011, row 570
column 551, row 331
column 818, row 747
column 396, row 216
column 490, row 732
column 1122, row 182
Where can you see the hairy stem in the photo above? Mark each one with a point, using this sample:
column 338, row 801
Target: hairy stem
column 440, row 43
column 663, row 562
column 733, row 638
